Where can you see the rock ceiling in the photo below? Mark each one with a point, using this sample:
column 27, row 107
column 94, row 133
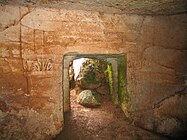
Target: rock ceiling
column 147, row 7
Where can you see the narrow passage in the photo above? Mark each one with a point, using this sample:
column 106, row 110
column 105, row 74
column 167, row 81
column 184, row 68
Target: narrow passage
column 107, row 122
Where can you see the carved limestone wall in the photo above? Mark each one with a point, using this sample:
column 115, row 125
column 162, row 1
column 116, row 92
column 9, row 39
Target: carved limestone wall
column 33, row 41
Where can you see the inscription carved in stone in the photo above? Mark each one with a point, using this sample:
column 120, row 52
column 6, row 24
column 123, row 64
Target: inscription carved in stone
column 38, row 65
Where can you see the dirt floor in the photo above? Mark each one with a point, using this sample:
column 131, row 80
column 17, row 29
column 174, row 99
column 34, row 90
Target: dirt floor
column 104, row 123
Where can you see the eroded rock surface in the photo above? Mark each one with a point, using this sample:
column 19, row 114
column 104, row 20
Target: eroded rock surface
column 89, row 98
column 91, row 75
column 147, row 7
column 34, row 40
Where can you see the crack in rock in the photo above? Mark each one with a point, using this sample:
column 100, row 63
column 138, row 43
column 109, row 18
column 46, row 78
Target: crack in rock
column 15, row 22
column 180, row 92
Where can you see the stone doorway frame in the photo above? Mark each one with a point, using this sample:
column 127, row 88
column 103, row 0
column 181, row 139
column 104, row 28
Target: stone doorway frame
column 110, row 58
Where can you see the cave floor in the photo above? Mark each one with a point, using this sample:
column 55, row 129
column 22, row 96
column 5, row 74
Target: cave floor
column 107, row 122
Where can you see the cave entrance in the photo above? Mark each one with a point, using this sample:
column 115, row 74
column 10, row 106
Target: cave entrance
column 116, row 74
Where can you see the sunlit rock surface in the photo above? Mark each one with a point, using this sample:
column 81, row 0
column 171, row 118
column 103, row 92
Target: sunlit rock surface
column 89, row 98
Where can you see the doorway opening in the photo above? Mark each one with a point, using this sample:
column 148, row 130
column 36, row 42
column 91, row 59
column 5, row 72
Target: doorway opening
column 104, row 74
column 101, row 80
column 90, row 81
